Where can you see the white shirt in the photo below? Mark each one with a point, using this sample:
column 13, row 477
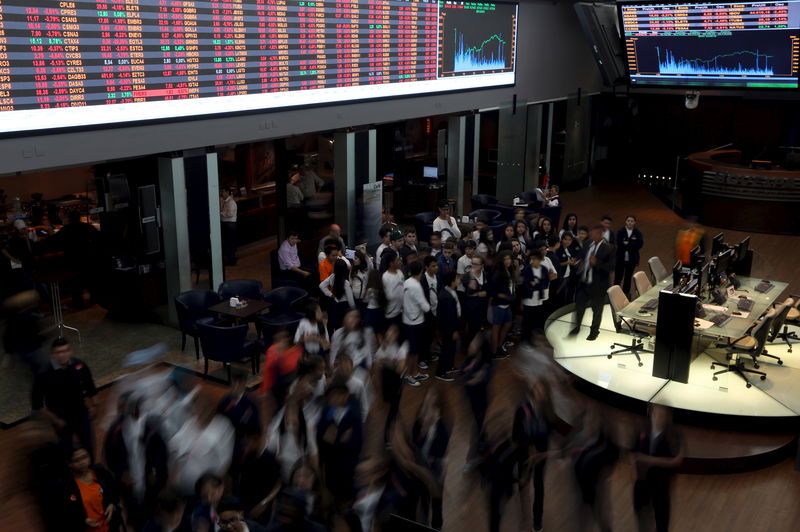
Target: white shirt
column 434, row 289
column 304, row 328
column 414, row 303
column 359, row 391
column 286, row 448
column 196, row 450
column 378, row 254
column 359, row 346
column 358, row 283
column 228, row 209
column 447, row 228
column 326, row 288
column 392, row 353
column 476, row 236
column 393, row 287
column 535, row 300
column 630, row 232
column 463, row 265
column 586, row 271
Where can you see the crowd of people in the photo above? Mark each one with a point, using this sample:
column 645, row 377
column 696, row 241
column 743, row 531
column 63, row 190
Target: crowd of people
column 293, row 454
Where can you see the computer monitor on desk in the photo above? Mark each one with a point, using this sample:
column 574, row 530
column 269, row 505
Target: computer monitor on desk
column 430, row 172
column 722, row 266
column 718, row 244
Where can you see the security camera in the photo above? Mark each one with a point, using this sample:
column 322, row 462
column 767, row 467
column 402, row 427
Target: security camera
column 692, row 99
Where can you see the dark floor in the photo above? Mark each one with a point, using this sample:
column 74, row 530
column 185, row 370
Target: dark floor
column 761, row 500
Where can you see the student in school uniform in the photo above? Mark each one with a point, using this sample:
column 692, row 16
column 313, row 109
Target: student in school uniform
column 449, row 322
column 337, row 287
column 629, row 242
column 415, row 306
column 535, row 291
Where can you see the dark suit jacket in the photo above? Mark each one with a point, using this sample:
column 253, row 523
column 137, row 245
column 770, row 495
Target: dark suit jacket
column 604, row 266
column 635, row 243
column 447, row 312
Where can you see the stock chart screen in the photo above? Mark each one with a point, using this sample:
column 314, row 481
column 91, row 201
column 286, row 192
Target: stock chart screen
column 88, row 63
column 752, row 44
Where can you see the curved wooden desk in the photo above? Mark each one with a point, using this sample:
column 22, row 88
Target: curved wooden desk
column 748, row 199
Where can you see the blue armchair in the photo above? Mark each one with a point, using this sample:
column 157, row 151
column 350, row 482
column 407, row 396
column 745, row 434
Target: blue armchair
column 246, row 288
column 191, row 307
column 490, row 214
column 285, row 299
column 227, row 345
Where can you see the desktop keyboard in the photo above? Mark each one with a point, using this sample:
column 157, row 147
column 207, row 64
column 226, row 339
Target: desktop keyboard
column 720, row 320
column 764, row 287
column 650, row 305
column 745, row 304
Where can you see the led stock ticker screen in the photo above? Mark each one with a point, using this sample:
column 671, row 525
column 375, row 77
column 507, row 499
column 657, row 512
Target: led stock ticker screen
column 751, row 44
column 90, row 63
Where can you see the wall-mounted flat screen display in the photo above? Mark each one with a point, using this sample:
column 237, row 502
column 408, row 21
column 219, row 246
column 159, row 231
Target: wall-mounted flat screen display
column 80, row 63
column 747, row 44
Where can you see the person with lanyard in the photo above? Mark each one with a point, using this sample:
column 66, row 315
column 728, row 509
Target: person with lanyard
column 228, row 211
column 66, row 393
column 594, row 274
column 448, row 319
column 446, row 224
column 658, row 452
column 629, row 242
column 503, row 285
column 535, row 291
column 476, row 289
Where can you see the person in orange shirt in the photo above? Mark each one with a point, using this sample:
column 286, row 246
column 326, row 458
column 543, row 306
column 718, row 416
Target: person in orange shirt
column 90, row 495
column 280, row 365
column 332, row 254
column 685, row 242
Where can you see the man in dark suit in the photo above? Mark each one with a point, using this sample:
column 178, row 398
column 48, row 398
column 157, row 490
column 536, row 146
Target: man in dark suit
column 594, row 272
column 608, row 233
column 629, row 242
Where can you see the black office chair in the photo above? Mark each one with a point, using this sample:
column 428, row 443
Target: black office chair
column 636, row 329
column 751, row 345
column 779, row 332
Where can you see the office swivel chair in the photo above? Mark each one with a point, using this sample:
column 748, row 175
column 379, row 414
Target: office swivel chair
column 642, row 283
column 636, row 329
column 751, row 345
column 779, row 330
column 657, row 269
column 792, row 318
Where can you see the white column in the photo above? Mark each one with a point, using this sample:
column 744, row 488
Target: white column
column 175, row 228
column 217, row 272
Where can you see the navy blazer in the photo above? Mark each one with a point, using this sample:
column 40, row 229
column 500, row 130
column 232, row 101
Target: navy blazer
column 447, row 312
column 635, row 243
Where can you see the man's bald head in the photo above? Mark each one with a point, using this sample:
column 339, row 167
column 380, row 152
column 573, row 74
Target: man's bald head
column 335, row 230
